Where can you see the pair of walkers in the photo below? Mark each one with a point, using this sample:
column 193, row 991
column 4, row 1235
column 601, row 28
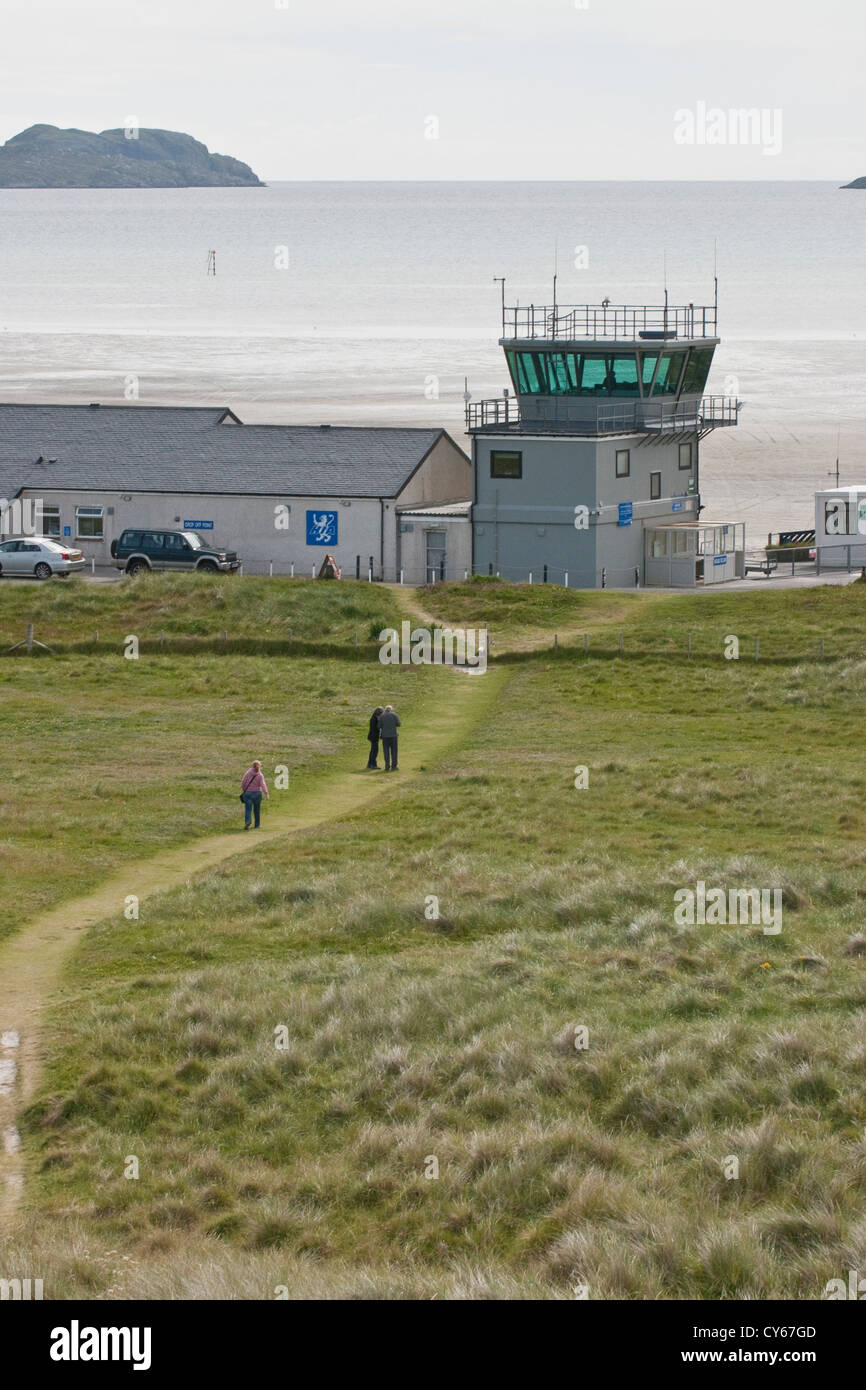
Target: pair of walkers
column 253, row 789
column 384, row 724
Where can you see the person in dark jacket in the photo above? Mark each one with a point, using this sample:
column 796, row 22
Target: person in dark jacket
column 389, row 723
column 373, row 737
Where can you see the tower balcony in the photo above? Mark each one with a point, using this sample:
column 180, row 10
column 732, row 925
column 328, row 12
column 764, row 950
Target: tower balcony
column 575, row 416
column 608, row 322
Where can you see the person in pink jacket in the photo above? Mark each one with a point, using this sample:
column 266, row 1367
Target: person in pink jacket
column 253, row 788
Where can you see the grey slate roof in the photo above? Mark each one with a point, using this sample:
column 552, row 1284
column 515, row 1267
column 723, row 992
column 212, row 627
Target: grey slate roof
column 186, row 449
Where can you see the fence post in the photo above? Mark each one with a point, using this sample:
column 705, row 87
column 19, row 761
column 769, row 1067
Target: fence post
column 604, row 577
column 637, row 577
column 544, row 580
column 357, row 567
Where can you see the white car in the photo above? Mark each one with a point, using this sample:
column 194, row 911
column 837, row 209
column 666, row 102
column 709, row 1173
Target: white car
column 39, row 556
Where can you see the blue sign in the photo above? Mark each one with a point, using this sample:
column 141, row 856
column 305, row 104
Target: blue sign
column 198, row 526
column 67, row 530
column 676, row 506
column 626, row 510
column 720, row 559
column 321, row 528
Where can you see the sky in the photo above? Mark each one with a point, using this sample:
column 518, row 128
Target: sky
column 458, row 89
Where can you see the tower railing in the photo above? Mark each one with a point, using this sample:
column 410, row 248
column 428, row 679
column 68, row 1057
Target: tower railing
column 627, row 322
column 576, row 415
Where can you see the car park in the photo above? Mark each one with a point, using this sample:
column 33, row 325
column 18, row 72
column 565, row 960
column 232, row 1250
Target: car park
column 39, row 557
column 138, row 549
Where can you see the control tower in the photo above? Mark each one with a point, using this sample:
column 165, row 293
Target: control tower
column 596, row 440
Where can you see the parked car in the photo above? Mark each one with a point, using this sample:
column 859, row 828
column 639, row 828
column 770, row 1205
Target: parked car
column 39, row 556
column 139, row 550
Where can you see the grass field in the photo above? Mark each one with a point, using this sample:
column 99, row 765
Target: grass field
column 331, row 1088
column 104, row 759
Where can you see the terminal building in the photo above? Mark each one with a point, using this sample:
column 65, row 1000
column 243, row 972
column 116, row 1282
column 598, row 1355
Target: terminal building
column 587, row 468
column 380, row 501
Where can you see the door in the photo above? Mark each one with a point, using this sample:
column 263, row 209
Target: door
column 177, row 552
column 11, row 558
column 151, row 544
column 436, row 558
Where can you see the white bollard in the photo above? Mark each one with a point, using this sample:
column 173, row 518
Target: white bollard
column 401, row 576
column 93, row 565
column 566, row 579
column 312, row 571
column 270, row 569
column 530, row 576
column 292, row 575
column 369, row 576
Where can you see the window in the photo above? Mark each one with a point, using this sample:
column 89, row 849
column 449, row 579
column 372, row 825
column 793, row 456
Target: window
column 131, row 538
column 655, row 485
column 88, row 523
column 668, row 374
column 50, row 521
column 684, row 542
column 648, row 366
column 151, row 542
column 505, row 465
column 697, row 371
column 658, row 547
column 176, row 544
column 685, row 456
column 623, row 463
column 564, row 373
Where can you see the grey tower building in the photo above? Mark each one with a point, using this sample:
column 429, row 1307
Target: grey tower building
column 598, row 443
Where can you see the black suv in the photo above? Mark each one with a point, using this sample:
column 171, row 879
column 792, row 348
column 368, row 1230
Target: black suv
column 170, row 550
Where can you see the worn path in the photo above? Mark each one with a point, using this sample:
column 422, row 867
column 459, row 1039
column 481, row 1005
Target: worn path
column 33, row 960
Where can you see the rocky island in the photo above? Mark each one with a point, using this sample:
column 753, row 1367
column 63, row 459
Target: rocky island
column 856, row 183
column 43, row 156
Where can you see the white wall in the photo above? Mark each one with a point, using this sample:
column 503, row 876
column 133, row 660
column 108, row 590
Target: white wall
column 242, row 523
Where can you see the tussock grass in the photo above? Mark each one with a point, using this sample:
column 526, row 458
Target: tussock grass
column 410, row 1038
column 196, row 605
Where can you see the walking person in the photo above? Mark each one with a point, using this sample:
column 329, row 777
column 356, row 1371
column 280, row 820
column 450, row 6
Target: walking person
column 253, row 788
column 389, row 723
column 373, row 737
